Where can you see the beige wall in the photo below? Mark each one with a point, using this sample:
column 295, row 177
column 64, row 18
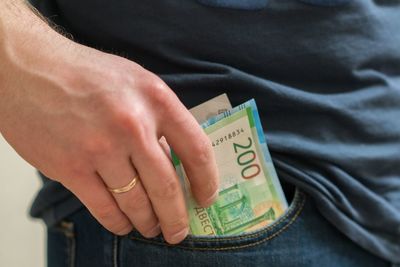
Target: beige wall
column 22, row 240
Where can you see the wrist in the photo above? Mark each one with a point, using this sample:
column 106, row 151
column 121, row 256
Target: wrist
column 28, row 44
column 32, row 56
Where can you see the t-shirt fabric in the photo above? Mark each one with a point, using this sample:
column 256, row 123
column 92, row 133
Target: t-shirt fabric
column 325, row 76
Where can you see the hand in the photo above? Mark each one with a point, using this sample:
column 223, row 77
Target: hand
column 92, row 120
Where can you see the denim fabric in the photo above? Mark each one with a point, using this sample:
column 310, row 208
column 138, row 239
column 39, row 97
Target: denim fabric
column 301, row 237
column 61, row 245
column 80, row 240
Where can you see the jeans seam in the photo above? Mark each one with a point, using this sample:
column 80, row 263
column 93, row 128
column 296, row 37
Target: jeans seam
column 284, row 228
column 115, row 251
column 67, row 229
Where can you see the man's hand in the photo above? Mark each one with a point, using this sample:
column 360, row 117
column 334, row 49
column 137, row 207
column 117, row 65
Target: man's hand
column 92, row 120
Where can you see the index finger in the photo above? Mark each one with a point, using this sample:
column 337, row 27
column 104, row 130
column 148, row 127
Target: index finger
column 194, row 149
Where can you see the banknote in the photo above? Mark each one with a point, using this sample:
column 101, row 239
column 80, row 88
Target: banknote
column 250, row 195
column 210, row 108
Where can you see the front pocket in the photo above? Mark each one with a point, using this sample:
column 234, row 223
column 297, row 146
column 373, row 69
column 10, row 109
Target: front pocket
column 236, row 241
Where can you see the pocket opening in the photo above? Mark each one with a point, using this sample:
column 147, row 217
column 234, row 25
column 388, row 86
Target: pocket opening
column 255, row 233
column 240, row 241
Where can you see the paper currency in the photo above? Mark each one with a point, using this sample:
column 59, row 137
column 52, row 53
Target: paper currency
column 250, row 195
column 210, row 108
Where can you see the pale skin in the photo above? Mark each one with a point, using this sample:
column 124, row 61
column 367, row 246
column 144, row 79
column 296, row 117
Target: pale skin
column 93, row 120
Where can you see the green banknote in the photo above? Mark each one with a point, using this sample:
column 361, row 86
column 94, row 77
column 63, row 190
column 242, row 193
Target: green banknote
column 250, row 195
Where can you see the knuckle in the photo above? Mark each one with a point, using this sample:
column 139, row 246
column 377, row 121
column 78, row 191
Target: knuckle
column 132, row 123
column 106, row 213
column 205, row 192
column 169, row 189
column 96, row 145
column 149, row 229
column 135, row 203
column 121, row 228
column 111, row 218
column 208, row 189
column 159, row 86
column 202, row 152
column 159, row 93
column 124, row 117
column 176, row 225
column 213, row 186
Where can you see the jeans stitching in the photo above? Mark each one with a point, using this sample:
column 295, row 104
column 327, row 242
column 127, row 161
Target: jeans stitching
column 115, row 251
column 284, row 228
column 67, row 228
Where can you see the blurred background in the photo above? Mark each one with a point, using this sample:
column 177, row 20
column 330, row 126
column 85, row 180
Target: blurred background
column 22, row 239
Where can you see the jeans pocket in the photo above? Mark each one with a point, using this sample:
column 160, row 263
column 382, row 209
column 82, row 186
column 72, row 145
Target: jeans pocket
column 61, row 245
column 235, row 242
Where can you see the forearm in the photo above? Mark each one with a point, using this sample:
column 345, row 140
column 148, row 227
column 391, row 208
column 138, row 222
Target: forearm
column 30, row 52
column 27, row 42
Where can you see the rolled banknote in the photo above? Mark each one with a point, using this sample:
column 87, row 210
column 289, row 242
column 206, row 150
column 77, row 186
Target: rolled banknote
column 250, row 195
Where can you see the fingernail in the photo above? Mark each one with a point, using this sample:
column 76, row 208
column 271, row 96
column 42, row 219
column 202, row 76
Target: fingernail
column 178, row 237
column 212, row 199
column 154, row 232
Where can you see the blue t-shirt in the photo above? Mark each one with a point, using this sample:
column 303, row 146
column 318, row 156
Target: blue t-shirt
column 325, row 75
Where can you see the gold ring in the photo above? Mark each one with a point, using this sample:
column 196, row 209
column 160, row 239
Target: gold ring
column 125, row 188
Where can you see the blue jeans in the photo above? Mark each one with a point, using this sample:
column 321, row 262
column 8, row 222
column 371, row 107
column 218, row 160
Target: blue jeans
column 301, row 237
